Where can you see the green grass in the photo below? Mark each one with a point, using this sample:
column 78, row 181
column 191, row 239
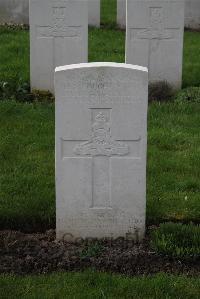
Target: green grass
column 173, row 162
column 105, row 44
column 191, row 59
column 14, row 55
column 98, row 285
column 27, row 188
column 108, row 13
column 177, row 240
column 27, row 195
column 27, row 192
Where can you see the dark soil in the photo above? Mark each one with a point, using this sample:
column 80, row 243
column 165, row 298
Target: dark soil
column 192, row 29
column 41, row 253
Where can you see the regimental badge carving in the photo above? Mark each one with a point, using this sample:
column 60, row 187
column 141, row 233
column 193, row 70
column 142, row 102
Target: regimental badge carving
column 58, row 27
column 101, row 143
column 156, row 29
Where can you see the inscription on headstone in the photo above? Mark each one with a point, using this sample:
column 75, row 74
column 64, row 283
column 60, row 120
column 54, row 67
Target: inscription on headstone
column 155, row 39
column 101, row 150
column 58, row 36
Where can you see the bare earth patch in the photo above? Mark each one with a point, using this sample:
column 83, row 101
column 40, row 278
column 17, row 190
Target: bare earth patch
column 41, row 253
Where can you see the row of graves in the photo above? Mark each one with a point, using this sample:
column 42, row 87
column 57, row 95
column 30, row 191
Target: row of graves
column 101, row 110
column 59, row 36
column 17, row 11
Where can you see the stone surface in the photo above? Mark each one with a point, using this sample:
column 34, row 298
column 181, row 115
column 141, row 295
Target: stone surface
column 58, row 36
column 192, row 14
column 17, row 12
column 94, row 13
column 101, row 135
column 154, row 38
column 121, row 13
column 14, row 11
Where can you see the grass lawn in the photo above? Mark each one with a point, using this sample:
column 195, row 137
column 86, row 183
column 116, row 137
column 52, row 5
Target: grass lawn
column 97, row 285
column 27, row 188
column 105, row 44
column 27, row 193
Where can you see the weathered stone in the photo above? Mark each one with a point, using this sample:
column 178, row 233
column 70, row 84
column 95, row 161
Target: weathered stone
column 14, row 11
column 155, row 38
column 192, row 14
column 101, row 136
column 121, row 13
column 17, row 12
column 94, row 13
column 58, row 36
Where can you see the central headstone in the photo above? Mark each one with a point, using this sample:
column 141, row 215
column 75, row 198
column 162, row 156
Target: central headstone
column 58, row 36
column 101, row 132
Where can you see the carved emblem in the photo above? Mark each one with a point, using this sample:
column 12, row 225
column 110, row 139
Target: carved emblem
column 156, row 28
column 101, row 143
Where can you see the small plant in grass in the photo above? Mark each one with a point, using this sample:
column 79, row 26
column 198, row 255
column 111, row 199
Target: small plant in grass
column 42, row 96
column 91, row 250
column 160, row 92
column 20, row 91
column 191, row 94
column 177, row 240
column 12, row 26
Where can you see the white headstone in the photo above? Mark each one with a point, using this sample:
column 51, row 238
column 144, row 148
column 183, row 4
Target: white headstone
column 154, row 38
column 58, row 36
column 101, row 136
column 192, row 14
column 94, row 13
column 121, row 13
column 14, row 11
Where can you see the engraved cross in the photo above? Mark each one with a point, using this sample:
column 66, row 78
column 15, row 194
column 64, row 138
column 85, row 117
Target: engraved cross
column 101, row 147
column 156, row 30
column 59, row 29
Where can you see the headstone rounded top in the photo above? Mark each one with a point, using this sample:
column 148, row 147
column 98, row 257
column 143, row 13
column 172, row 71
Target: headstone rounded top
column 101, row 141
column 100, row 64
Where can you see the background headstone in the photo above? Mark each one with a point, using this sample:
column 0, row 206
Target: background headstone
column 154, row 38
column 94, row 13
column 101, row 136
column 121, row 13
column 17, row 12
column 14, row 11
column 58, row 36
column 192, row 14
